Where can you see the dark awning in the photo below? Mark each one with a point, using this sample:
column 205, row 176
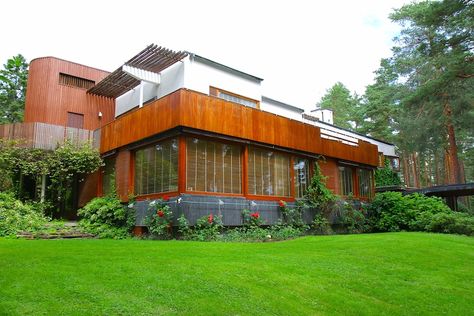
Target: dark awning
column 152, row 58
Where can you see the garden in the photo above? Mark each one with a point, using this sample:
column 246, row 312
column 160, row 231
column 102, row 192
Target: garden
column 385, row 257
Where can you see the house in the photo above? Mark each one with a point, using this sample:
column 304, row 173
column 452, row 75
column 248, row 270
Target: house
column 178, row 124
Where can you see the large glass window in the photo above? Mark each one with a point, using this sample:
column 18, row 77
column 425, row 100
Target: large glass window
column 302, row 177
column 156, row 168
column 268, row 173
column 108, row 176
column 365, row 182
column 346, row 181
column 213, row 167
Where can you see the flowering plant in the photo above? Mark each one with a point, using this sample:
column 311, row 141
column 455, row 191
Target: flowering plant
column 251, row 218
column 160, row 219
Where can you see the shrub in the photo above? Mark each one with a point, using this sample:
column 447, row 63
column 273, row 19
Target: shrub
column 451, row 223
column 291, row 216
column 207, row 228
column 160, row 219
column 106, row 217
column 390, row 211
column 320, row 225
column 250, row 218
column 16, row 216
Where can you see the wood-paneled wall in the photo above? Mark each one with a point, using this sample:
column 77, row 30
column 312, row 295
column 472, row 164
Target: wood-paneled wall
column 195, row 110
column 48, row 101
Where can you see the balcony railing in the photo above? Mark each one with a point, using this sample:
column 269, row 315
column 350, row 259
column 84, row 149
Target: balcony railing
column 44, row 136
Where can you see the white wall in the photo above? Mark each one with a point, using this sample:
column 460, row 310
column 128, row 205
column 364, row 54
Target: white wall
column 273, row 107
column 200, row 75
column 172, row 79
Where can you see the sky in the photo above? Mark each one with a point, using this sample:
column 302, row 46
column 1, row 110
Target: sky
column 299, row 48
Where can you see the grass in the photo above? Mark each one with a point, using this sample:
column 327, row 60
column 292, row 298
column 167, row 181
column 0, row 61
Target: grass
column 376, row 274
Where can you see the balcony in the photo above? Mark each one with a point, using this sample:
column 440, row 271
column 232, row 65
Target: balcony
column 44, row 136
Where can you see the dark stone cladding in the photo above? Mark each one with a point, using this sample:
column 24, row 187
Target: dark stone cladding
column 195, row 206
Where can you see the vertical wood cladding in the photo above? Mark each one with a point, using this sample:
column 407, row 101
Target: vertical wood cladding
column 88, row 188
column 48, row 100
column 123, row 174
column 195, row 110
column 329, row 169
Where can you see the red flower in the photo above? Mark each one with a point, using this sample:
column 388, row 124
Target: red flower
column 210, row 218
column 255, row 215
column 160, row 213
column 282, row 203
column 166, row 198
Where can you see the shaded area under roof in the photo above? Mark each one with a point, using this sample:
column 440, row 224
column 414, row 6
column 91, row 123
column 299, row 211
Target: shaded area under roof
column 153, row 58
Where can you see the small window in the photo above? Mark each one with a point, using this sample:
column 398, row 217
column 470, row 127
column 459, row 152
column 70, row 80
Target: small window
column 232, row 97
column 76, row 82
column 75, row 120
column 346, row 181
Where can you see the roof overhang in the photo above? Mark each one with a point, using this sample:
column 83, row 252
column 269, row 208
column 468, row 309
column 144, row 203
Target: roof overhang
column 145, row 66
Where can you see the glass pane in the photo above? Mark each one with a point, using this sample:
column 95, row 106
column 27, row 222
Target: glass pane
column 268, row 173
column 108, row 176
column 156, row 168
column 213, row 167
column 302, row 178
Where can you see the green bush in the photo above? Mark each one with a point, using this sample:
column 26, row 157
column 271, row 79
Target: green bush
column 106, row 217
column 250, row 218
column 16, row 216
column 391, row 211
column 321, row 225
column 451, row 223
column 207, row 228
column 160, row 219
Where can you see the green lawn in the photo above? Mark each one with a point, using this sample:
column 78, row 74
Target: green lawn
column 395, row 273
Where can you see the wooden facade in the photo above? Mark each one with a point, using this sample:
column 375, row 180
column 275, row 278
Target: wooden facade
column 57, row 87
column 185, row 108
column 186, row 113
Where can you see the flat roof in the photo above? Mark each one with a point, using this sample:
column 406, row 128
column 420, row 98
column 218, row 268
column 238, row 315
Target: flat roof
column 209, row 61
column 292, row 107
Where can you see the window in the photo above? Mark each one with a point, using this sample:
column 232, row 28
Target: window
column 268, row 173
column 75, row 120
column 302, row 177
column 365, row 182
column 232, row 97
column 156, row 168
column 346, row 181
column 77, row 82
column 108, row 176
column 213, row 167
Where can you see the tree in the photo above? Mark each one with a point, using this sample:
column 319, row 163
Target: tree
column 435, row 57
column 344, row 106
column 13, row 80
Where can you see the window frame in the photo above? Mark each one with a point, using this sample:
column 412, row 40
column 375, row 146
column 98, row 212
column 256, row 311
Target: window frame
column 213, row 91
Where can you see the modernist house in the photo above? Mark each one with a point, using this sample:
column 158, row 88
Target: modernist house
column 178, row 124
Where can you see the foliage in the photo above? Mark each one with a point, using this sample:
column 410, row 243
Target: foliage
column 250, row 218
column 391, row 211
column 317, row 195
column 353, row 219
column 291, row 216
column 106, row 217
column 320, row 225
column 13, row 89
column 70, row 162
column 207, row 228
column 160, row 218
column 16, row 216
column 451, row 223
column 344, row 106
column 270, row 233
column 386, row 176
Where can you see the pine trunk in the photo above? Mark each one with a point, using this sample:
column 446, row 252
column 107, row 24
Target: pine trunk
column 454, row 170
